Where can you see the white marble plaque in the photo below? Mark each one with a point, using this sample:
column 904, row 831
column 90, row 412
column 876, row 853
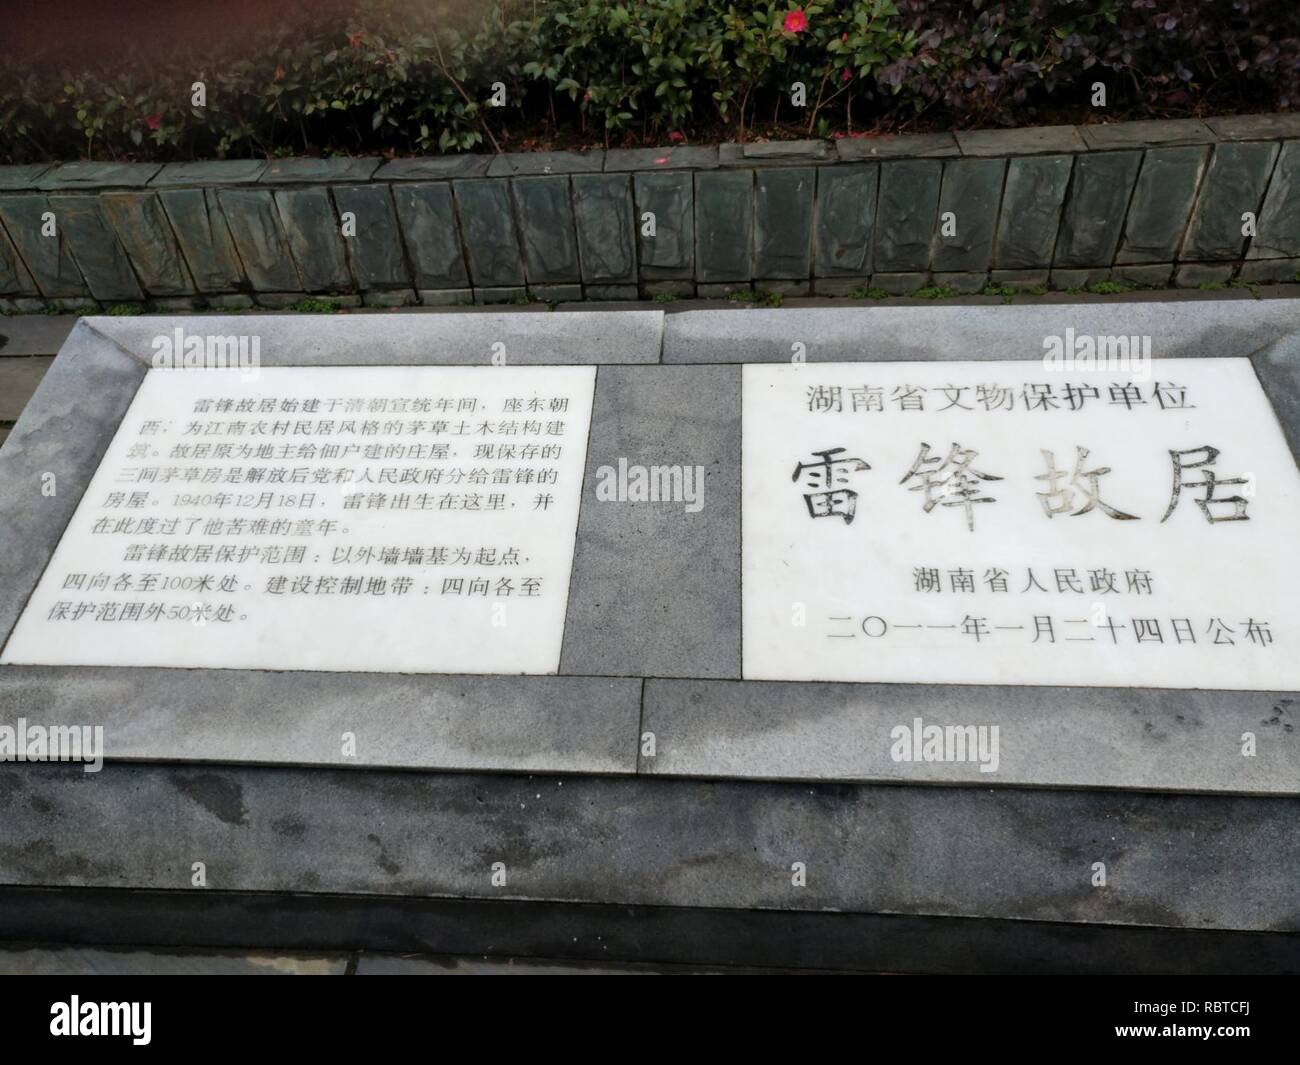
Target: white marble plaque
column 1000, row 523
column 398, row 519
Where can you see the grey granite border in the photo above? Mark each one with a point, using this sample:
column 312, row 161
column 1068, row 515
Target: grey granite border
column 1138, row 739
column 529, row 338
column 984, row 333
column 1176, row 861
column 433, row 721
column 57, row 442
column 627, row 615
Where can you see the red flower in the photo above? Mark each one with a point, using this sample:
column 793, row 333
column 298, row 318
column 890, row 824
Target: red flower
column 355, row 40
column 153, row 121
column 795, row 21
column 676, row 136
column 279, row 73
column 848, row 75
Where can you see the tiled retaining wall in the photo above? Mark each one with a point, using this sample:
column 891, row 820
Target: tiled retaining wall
column 1140, row 202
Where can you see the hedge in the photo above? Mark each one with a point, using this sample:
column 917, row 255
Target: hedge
column 403, row 76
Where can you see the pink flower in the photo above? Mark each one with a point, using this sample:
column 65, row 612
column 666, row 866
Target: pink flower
column 153, row 121
column 848, row 75
column 795, row 21
column 676, row 136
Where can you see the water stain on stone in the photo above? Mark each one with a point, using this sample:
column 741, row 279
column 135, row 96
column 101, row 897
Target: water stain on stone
column 290, row 825
column 220, row 796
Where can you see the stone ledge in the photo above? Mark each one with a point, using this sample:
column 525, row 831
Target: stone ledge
column 1020, row 854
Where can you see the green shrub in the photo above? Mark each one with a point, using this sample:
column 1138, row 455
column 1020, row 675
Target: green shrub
column 403, row 76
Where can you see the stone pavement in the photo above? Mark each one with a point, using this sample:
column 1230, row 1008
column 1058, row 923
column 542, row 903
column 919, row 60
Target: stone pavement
column 682, row 856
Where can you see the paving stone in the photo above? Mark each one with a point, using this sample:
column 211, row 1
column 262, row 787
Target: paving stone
column 1023, row 854
column 88, row 175
column 99, row 254
column 390, row 297
column 556, row 293
column 73, row 305
column 1064, row 280
column 142, row 227
column 1255, row 127
column 210, row 172
column 446, row 297
column 204, row 238
column 1029, row 140
column 501, row 294
column 627, row 614
column 670, row 197
column 602, row 207
column 910, row 146
column 675, row 157
column 1094, row 216
column 434, row 167
column 802, row 151
column 312, row 171
column 277, row 301
column 1031, row 211
column 176, row 304
column 906, row 215
column 845, row 220
column 505, row 723
column 488, row 230
column 900, row 284
column 971, row 191
column 738, row 155
column 720, row 290
column 48, row 259
column 1192, row 275
column 1279, row 219
column 312, row 230
column 375, row 253
column 1147, row 134
column 1022, row 279
column 259, row 240
column 14, row 278
column 684, row 289
column 518, row 164
column 1234, row 184
column 1161, row 204
column 622, row 293
column 961, row 282
column 1134, row 739
column 1270, row 270
column 840, row 286
column 1155, row 275
column 18, row 380
column 546, row 226
column 105, row 961
column 783, row 207
column 34, row 334
column 724, row 222
column 23, row 305
column 428, row 219
column 22, row 177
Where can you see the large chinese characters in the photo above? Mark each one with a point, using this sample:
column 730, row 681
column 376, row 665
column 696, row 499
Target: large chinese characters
column 997, row 522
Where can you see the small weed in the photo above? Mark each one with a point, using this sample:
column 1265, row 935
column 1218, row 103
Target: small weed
column 315, row 305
